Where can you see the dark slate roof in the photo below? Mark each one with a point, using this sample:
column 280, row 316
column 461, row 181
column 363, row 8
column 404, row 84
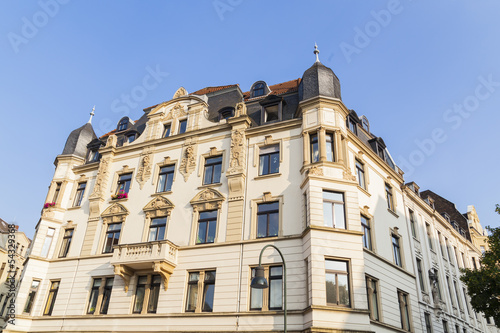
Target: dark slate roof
column 319, row 80
column 77, row 141
column 444, row 206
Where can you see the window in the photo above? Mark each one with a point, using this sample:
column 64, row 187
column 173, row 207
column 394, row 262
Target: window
column 314, row 148
column 274, row 294
column 428, row 323
column 268, row 219
column 457, row 329
column 429, row 235
column 467, row 305
column 389, row 198
column 353, row 126
column 333, row 209
column 441, row 243
column 147, row 294
column 80, row 191
column 120, row 141
column 449, row 291
column 124, row 183
column 47, row 242
column 474, row 263
column 412, row 223
column 56, row 192
column 269, row 160
column 165, row 179
column 4, row 305
column 182, row 126
column 213, row 167
column 106, row 295
column 166, row 131
column 337, row 282
column 157, row 229
column 66, row 242
column 94, row 156
column 372, row 295
column 258, row 90
column 131, row 138
column 404, row 310
column 207, row 227
column 94, row 296
column 457, row 295
column 271, row 109
column 445, row 326
column 360, row 171
column 31, row 296
column 367, row 237
column 112, row 236
column 396, row 249
column 365, row 124
column 329, row 147
column 122, row 125
column 448, row 250
column 483, row 249
column 200, row 293
column 226, row 113
column 420, row 275
column 54, row 287
column 435, row 284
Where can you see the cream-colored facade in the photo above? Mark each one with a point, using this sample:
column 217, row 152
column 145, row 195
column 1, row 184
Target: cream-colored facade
column 202, row 202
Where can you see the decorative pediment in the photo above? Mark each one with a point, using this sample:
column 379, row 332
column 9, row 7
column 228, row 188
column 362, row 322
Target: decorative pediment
column 180, row 92
column 176, row 112
column 114, row 213
column 207, row 199
column 159, row 206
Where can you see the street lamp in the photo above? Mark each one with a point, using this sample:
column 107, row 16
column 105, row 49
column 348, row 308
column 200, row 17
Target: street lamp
column 260, row 281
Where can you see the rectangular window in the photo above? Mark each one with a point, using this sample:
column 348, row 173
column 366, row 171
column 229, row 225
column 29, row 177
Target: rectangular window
column 147, row 294
column 428, row 323
column 412, row 223
column 333, row 210
column 360, row 171
column 56, row 192
column 337, row 282
column 445, row 326
column 329, row 147
column 94, row 296
column 448, row 250
column 207, row 227
column 429, row 235
column 474, row 263
column 457, row 295
column 80, row 191
column 166, row 130
column 5, row 302
column 124, row 183
column 420, row 275
column 66, row 242
column 449, row 291
column 182, row 126
column 367, row 233
column 372, row 295
column 112, row 237
column 396, row 249
column 203, row 281
column 94, row 156
column 467, row 305
column 440, row 238
column 213, row 167
column 274, row 294
column 464, row 263
column 457, row 329
column 437, row 285
column 47, row 242
column 268, row 219
column 165, row 179
column 54, row 287
column 404, row 310
column 31, row 296
column 314, row 148
column 106, row 295
column 157, row 229
column 269, row 160
column 388, row 197
column 353, row 126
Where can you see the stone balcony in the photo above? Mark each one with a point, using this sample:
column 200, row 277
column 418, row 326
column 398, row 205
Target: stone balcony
column 158, row 257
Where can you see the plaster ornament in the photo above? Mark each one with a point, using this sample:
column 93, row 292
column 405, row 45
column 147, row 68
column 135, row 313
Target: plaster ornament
column 144, row 171
column 237, row 161
column 180, row 92
column 101, row 179
column 111, row 142
column 241, row 109
column 188, row 162
column 176, row 112
column 315, row 171
column 347, row 175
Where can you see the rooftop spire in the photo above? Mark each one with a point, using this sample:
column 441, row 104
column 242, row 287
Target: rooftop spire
column 91, row 115
column 316, row 52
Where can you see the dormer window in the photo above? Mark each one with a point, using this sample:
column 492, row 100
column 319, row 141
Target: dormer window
column 94, row 156
column 258, row 90
column 365, row 124
column 226, row 113
column 122, row 125
column 131, row 138
column 353, row 126
column 446, row 216
column 455, row 225
column 271, row 109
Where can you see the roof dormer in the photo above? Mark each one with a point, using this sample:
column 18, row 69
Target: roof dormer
column 259, row 88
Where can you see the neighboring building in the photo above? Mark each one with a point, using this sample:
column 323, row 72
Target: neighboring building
column 14, row 246
column 158, row 225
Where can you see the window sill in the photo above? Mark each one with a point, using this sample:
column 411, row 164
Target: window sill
column 160, row 193
column 364, row 191
column 393, row 213
column 271, row 175
column 74, row 208
column 117, row 200
column 209, row 185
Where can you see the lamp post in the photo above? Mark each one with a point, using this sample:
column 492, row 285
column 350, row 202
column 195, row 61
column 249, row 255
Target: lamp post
column 260, row 281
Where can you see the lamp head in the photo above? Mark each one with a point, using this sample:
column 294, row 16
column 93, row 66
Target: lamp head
column 259, row 281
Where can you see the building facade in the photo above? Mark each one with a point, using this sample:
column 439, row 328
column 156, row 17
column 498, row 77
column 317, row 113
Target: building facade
column 157, row 226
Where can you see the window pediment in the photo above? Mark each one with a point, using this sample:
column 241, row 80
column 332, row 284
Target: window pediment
column 114, row 213
column 207, row 199
column 159, row 206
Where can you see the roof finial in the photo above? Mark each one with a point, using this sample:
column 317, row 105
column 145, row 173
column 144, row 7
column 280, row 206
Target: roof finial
column 316, row 52
column 91, row 115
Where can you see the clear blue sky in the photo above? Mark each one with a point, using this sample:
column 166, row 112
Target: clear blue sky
column 421, row 71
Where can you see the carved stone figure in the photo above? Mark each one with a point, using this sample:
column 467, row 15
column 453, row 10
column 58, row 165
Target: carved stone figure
column 102, row 175
column 144, row 171
column 241, row 109
column 237, row 161
column 188, row 162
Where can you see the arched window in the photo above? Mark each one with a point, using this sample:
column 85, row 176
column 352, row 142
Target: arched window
column 122, row 125
column 226, row 113
column 258, row 90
